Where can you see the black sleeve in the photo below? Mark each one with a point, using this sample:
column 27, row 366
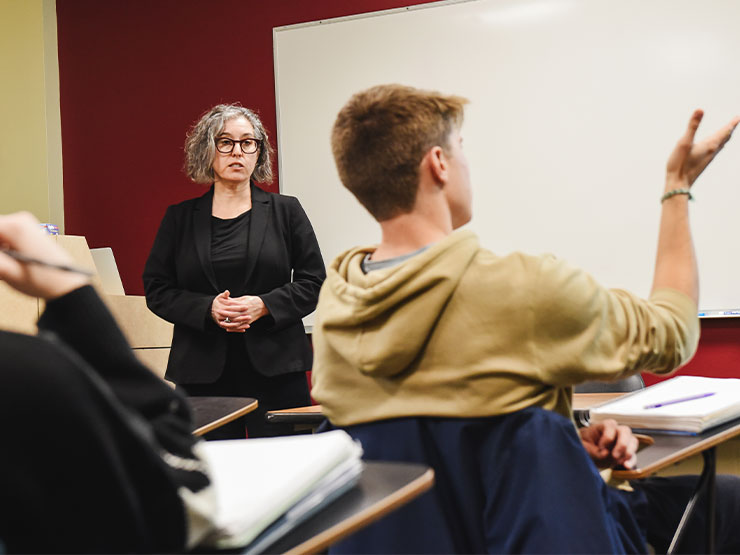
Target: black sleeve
column 84, row 324
column 98, row 430
column 291, row 302
column 164, row 296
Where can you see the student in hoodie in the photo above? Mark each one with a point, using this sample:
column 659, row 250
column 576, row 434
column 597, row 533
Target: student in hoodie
column 429, row 323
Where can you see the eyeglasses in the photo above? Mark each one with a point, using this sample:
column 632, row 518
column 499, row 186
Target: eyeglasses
column 248, row 146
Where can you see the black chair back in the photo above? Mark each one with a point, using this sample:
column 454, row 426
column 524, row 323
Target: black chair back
column 517, row 483
column 625, row 385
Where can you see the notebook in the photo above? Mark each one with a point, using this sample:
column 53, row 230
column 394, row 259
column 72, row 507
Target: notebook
column 276, row 483
column 689, row 404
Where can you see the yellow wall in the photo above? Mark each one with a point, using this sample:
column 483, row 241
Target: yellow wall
column 30, row 130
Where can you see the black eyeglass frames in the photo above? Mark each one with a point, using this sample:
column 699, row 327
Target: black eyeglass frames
column 247, row 146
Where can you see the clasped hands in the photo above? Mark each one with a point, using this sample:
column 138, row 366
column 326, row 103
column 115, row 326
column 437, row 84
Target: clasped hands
column 610, row 444
column 237, row 314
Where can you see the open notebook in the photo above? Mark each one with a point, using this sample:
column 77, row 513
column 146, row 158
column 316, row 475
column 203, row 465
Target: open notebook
column 689, row 404
column 266, row 487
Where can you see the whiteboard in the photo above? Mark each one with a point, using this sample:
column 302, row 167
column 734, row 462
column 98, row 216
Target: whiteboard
column 575, row 106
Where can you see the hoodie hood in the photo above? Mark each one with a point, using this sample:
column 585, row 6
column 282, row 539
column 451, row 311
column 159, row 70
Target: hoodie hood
column 379, row 322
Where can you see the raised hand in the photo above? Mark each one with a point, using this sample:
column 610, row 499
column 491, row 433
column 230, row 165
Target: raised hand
column 689, row 159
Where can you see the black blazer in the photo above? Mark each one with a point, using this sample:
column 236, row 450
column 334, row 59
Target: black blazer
column 180, row 286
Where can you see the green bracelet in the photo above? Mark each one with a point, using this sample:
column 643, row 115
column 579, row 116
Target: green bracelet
column 675, row 192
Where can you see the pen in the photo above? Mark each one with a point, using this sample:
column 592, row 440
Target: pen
column 674, row 401
column 30, row 260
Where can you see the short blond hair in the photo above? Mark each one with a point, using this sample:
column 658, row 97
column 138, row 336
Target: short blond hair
column 380, row 138
column 200, row 143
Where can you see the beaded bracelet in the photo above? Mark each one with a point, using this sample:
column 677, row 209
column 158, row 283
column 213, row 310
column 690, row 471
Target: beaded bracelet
column 675, row 192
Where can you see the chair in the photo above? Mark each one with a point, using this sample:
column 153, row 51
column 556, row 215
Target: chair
column 517, row 483
column 625, row 385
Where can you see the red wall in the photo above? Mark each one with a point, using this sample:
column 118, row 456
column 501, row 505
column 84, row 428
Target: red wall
column 719, row 351
column 135, row 74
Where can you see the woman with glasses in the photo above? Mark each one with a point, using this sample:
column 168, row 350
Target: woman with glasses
column 235, row 271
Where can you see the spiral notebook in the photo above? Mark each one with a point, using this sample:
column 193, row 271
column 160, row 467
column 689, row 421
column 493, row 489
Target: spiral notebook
column 266, row 487
column 688, row 404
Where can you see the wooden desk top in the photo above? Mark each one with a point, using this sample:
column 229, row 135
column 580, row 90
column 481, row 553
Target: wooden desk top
column 581, row 401
column 660, row 450
column 383, row 487
column 301, row 415
column 584, row 401
column 668, row 449
column 313, row 409
column 210, row 413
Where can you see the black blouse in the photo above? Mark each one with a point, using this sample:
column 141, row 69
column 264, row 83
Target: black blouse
column 229, row 251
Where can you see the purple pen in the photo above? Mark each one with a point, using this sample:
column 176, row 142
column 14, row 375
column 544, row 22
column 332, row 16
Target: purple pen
column 681, row 400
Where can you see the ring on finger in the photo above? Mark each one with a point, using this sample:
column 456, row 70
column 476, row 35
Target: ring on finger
column 228, row 320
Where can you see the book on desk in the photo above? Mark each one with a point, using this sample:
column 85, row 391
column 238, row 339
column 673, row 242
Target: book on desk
column 266, row 487
column 684, row 404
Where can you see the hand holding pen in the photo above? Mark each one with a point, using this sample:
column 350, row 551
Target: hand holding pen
column 36, row 266
column 20, row 257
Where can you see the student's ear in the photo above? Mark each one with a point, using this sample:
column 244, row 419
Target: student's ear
column 437, row 162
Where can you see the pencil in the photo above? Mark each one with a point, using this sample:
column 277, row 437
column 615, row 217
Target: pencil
column 30, row 260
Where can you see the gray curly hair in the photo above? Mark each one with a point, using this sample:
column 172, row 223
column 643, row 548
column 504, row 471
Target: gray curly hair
column 200, row 143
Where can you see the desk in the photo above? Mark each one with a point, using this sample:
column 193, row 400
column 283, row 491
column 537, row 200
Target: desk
column 662, row 450
column 667, row 449
column 300, row 417
column 383, row 487
column 312, row 416
column 211, row 412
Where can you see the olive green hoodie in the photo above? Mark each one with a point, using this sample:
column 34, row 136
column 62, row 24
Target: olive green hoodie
column 457, row 331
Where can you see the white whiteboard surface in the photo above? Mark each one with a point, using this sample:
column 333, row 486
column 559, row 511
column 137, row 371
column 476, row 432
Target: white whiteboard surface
column 575, row 106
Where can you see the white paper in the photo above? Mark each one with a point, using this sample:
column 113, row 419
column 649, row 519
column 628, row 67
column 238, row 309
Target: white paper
column 694, row 412
column 257, row 480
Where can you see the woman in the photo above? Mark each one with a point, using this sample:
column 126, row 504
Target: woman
column 235, row 270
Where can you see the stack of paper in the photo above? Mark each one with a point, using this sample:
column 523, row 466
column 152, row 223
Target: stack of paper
column 265, row 487
column 688, row 404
